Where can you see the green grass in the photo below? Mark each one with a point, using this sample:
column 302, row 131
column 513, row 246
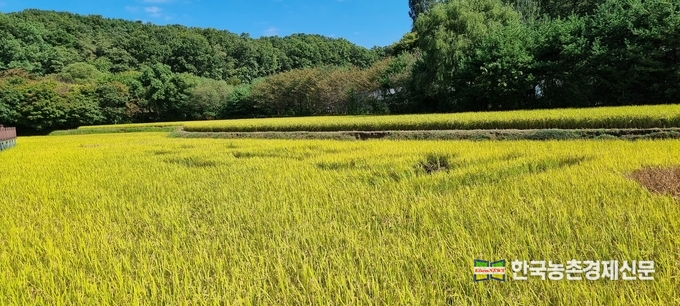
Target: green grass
column 131, row 219
column 658, row 116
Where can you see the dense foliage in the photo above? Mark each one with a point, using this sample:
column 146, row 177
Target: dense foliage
column 482, row 54
column 61, row 70
column 64, row 70
column 44, row 42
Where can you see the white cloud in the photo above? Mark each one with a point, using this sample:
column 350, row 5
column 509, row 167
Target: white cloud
column 156, row 8
column 271, row 31
column 154, row 11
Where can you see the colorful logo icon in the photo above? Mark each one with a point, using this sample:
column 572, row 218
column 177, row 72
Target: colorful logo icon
column 486, row 270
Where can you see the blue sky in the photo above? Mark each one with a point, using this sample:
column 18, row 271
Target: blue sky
column 364, row 22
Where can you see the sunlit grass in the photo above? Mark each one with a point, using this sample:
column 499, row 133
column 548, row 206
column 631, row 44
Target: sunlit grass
column 141, row 218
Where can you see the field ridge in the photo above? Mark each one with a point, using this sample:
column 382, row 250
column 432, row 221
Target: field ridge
column 539, row 134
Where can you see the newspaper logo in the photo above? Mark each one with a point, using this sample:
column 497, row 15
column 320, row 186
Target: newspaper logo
column 486, row 270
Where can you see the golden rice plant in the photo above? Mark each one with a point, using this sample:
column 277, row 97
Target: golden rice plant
column 144, row 219
column 656, row 116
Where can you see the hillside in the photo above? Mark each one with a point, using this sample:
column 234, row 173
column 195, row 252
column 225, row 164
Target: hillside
column 61, row 70
column 44, row 42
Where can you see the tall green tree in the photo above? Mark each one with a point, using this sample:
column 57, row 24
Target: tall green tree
column 418, row 7
column 167, row 95
column 113, row 98
column 474, row 54
column 208, row 98
column 635, row 51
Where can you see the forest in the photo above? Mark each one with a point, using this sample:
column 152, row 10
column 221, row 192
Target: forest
column 61, row 70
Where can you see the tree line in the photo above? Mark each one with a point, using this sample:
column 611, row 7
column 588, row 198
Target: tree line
column 61, row 70
column 523, row 54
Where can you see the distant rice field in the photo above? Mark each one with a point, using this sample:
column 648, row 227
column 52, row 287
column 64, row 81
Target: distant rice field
column 638, row 117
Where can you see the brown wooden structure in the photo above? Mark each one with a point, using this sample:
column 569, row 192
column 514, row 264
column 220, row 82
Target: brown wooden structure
column 8, row 137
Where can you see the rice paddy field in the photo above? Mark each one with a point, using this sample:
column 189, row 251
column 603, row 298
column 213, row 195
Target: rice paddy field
column 129, row 219
column 656, row 116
